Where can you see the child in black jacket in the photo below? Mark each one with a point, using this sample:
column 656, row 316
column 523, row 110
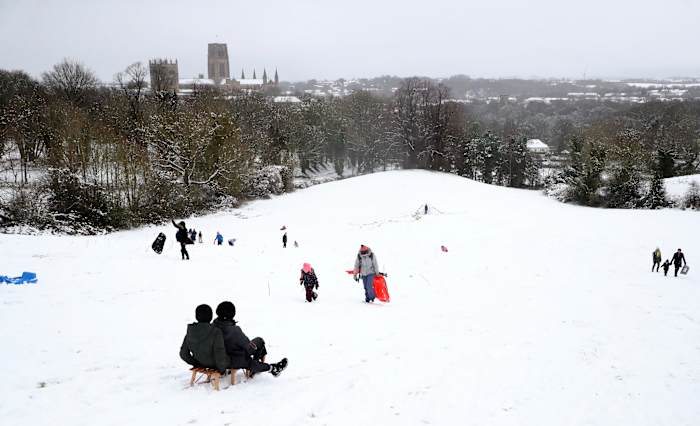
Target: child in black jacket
column 666, row 265
column 310, row 282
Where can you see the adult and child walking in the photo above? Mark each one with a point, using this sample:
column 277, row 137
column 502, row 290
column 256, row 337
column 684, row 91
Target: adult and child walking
column 678, row 261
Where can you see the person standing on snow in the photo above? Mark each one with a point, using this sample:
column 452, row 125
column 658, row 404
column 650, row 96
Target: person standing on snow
column 366, row 267
column 656, row 257
column 219, row 239
column 182, row 238
column 244, row 353
column 677, row 258
column 200, row 237
column 284, row 240
column 310, row 282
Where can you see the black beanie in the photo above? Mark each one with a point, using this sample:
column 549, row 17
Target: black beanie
column 226, row 310
column 203, row 313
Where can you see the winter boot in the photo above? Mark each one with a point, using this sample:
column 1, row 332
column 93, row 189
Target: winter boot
column 276, row 369
column 315, row 295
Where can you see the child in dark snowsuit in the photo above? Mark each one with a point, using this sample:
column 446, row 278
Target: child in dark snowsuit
column 666, row 265
column 310, row 282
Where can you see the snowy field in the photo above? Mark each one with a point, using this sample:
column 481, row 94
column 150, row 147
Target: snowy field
column 541, row 313
column 677, row 187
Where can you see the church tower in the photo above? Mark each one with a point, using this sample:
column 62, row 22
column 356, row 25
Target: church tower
column 217, row 61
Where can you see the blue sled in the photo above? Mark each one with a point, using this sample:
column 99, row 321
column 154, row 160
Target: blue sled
column 26, row 278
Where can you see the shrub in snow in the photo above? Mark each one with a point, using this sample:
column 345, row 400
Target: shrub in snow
column 264, row 182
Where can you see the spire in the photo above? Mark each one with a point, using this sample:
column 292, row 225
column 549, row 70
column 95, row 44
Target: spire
column 254, row 77
column 264, row 76
column 242, row 74
column 277, row 78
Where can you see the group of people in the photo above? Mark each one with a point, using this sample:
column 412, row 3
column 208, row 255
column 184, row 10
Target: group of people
column 678, row 260
column 222, row 345
column 365, row 269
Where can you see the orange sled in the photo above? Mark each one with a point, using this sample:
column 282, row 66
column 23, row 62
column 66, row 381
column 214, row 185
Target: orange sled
column 380, row 289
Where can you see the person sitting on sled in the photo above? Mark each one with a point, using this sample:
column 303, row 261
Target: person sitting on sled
column 243, row 352
column 310, row 282
column 203, row 345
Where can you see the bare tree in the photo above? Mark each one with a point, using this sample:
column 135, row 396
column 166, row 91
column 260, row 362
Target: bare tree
column 132, row 83
column 70, row 79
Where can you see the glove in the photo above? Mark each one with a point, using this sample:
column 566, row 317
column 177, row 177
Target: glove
column 356, row 278
column 316, row 286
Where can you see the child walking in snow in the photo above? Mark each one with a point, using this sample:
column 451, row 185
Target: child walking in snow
column 310, row 282
column 666, row 265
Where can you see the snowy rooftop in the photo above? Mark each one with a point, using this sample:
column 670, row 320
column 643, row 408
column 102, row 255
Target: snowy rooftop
column 536, row 144
column 196, row 81
column 251, row 82
column 287, row 99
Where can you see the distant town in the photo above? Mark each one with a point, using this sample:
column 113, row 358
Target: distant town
column 165, row 76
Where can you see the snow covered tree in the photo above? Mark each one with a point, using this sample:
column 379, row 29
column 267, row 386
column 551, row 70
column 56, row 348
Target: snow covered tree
column 514, row 162
column 692, row 197
column 625, row 170
column 656, row 196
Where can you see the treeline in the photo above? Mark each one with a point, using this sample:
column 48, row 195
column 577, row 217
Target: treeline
column 76, row 153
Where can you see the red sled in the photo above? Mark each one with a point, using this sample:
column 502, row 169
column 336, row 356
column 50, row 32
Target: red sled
column 380, row 289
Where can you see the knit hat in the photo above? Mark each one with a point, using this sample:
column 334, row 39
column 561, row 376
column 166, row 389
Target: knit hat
column 226, row 310
column 203, row 313
column 306, row 268
column 364, row 248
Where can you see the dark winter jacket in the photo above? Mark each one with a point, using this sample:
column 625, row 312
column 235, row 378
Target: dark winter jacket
column 656, row 256
column 678, row 258
column 203, row 346
column 309, row 280
column 666, row 265
column 284, row 238
column 182, row 235
column 238, row 346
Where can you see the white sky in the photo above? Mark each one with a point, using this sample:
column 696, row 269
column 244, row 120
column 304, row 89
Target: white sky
column 330, row 39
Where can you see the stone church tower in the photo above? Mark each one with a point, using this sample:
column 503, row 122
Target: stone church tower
column 217, row 62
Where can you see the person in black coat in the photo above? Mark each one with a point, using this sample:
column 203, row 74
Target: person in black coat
column 244, row 353
column 183, row 238
column 203, row 345
column 677, row 259
column 284, row 240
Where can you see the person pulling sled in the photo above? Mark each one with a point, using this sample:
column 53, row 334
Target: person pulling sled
column 310, row 282
column 366, row 267
column 678, row 259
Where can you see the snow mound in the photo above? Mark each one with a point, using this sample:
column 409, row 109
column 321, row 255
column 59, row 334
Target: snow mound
column 541, row 313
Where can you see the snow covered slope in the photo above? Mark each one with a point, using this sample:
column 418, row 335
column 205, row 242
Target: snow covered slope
column 541, row 313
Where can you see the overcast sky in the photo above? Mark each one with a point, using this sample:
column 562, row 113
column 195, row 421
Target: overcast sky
column 307, row 39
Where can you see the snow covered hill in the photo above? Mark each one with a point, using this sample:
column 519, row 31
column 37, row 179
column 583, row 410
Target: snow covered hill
column 541, row 313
